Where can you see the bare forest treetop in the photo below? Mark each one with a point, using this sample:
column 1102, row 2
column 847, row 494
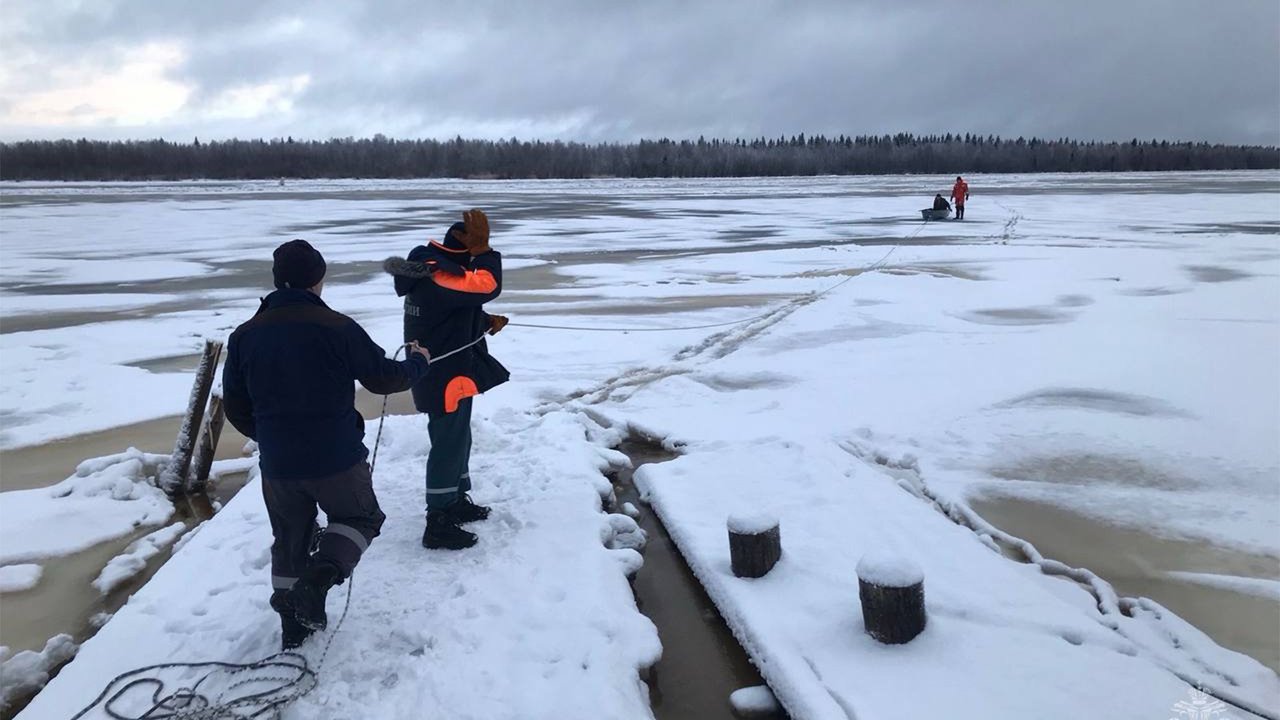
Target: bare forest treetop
column 380, row 157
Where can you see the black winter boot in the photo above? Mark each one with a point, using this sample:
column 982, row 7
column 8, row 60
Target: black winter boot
column 443, row 532
column 464, row 511
column 306, row 597
column 292, row 632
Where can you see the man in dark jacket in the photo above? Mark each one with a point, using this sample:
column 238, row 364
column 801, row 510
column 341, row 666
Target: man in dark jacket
column 445, row 286
column 289, row 384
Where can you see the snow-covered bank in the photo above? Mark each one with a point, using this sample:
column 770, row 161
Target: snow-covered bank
column 535, row 622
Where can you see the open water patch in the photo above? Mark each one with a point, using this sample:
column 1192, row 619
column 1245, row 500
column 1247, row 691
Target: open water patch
column 1018, row 316
column 1155, row 291
column 1091, row 468
column 1215, row 273
column 956, row 270
column 186, row 363
column 1074, row 301
column 1139, row 563
column 702, row 663
column 1097, row 400
column 1246, row 228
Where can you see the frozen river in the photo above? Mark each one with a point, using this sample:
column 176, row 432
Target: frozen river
column 1090, row 363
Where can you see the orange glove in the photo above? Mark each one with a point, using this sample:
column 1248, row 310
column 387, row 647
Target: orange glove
column 476, row 236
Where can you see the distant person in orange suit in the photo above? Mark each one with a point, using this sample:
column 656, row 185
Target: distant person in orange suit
column 960, row 193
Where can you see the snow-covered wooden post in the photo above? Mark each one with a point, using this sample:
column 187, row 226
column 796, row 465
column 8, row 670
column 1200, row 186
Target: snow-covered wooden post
column 210, row 431
column 174, row 476
column 755, row 544
column 891, row 589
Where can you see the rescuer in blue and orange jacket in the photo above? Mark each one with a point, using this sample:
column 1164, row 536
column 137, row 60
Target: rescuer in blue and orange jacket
column 445, row 286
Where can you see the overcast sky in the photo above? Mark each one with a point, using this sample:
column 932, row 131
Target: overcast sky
column 613, row 70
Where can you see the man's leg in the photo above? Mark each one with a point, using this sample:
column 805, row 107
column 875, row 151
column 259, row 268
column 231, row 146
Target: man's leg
column 450, row 449
column 293, row 516
column 446, row 464
column 355, row 519
column 464, row 510
column 464, row 480
column 959, row 212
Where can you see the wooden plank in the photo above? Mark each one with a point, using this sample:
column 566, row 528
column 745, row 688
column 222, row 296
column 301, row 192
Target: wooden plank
column 210, row 432
column 173, row 479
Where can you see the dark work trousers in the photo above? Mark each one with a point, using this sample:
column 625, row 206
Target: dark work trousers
column 448, row 464
column 959, row 211
column 354, row 521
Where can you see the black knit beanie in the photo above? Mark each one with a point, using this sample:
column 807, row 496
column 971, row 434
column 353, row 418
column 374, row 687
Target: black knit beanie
column 451, row 241
column 297, row 265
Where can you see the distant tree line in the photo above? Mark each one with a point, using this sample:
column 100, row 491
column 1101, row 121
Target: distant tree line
column 380, row 157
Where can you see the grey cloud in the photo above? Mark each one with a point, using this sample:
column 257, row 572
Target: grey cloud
column 619, row 71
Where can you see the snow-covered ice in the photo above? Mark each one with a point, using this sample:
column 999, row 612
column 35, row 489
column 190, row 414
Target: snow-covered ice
column 1106, row 344
column 15, row 578
column 135, row 557
column 757, row 700
column 1262, row 587
column 107, row 498
column 29, row 670
column 16, row 304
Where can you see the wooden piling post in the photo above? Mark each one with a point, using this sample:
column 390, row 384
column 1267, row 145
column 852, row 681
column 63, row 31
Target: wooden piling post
column 755, row 544
column 173, row 479
column 891, row 590
column 210, row 431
